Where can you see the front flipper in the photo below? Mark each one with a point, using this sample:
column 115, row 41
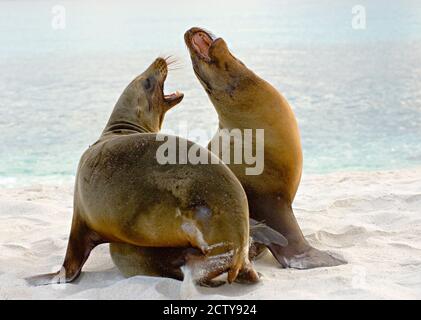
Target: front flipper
column 278, row 215
column 49, row 278
column 81, row 242
column 312, row 258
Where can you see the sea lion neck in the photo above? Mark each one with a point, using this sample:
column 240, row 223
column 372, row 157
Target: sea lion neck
column 125, row 116
column 244, row 99
column 126, row 127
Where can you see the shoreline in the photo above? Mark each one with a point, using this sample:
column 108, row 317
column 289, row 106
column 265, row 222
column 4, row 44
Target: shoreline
column 13, row 182
column 371, row 218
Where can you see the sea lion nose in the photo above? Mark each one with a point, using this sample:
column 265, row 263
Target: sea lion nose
column 160, row 65
column 159, row 61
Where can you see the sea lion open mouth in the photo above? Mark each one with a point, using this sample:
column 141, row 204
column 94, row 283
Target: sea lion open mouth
column 173, row 98
column 200, row 42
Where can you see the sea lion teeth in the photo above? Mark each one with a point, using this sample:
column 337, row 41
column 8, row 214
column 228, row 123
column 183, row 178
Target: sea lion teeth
column 173, row 98
column 173, row 95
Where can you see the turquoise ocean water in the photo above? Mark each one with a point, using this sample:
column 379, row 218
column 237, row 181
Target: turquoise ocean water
column 356, row 93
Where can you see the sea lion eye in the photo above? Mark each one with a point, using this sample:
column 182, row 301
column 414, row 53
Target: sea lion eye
column 147, row 84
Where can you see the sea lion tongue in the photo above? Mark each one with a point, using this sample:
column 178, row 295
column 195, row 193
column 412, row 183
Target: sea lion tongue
column 202, row 42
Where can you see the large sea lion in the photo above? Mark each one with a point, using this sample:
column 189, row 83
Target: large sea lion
column 124, row 195
column 245, row 101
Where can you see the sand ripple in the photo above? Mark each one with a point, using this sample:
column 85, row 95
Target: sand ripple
column 372, row 219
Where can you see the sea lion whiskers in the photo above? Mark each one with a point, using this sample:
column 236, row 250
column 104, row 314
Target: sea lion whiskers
column 173, row 63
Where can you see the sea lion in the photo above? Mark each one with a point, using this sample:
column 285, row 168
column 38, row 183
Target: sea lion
column 245, row 101
column 124, row 195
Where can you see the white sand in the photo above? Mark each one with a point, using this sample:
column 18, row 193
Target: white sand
column 372, row 219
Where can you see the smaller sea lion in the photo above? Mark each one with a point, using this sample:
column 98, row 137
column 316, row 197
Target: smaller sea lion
column 245, row 101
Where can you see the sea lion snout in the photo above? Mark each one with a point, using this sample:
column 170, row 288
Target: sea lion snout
column 216, row 68
column 204, row 45
column 159, row 67
column 192, row 31
column 153, row 81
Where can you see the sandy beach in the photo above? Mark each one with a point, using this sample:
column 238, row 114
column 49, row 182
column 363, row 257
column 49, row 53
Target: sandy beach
column 371, row 218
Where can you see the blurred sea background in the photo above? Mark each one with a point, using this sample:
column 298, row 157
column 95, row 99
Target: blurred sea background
column 356, row 92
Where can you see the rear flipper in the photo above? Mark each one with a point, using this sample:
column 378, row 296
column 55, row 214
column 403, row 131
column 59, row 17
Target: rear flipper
column 167, row 262
column 312, row 258
column 173, row 262
column 278, row 214
column 204, row 269
column 265, row 237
